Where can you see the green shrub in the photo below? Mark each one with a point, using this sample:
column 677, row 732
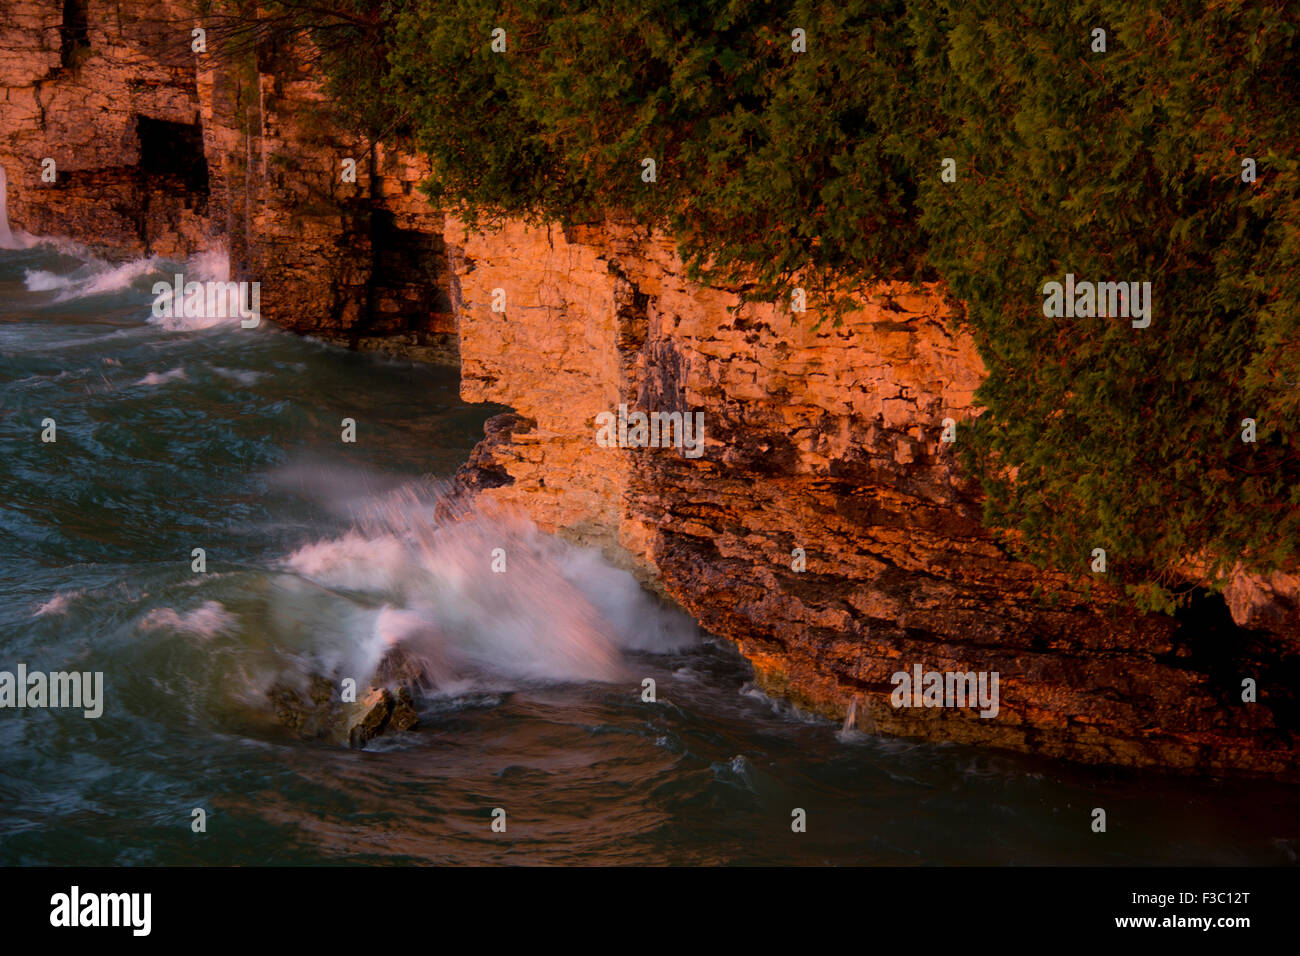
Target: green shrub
column 824, row 165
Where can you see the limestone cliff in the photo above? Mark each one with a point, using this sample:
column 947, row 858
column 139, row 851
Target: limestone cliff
column 106, row 92
column 828, row 440
column 820, row 441
column 158, row 149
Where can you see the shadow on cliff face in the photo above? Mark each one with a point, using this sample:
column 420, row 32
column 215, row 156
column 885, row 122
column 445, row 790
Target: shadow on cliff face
column 1210, row 642
column 171, row 156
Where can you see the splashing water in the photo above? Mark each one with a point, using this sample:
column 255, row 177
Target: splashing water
column 212, row 265
column 484, row 598
column 92, row 277
column 321, row 555
column 15, row 240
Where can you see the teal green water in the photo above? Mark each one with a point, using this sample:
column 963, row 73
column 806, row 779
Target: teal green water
column 229, row 440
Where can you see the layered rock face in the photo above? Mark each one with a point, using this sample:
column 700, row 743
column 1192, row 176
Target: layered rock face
column 106, row 92
column 331, row 224
column 826, row 443
column 824, row 527
column 159, row 149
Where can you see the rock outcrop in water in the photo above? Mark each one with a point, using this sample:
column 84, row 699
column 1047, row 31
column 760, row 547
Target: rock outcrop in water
column 315, row 711
column 825, row 528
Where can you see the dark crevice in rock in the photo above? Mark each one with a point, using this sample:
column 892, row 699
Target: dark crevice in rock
column 172, row 153
column 74, row 33
column 1209, row 642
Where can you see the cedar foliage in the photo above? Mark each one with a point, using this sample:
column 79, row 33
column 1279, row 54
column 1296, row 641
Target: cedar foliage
column 1115, row 166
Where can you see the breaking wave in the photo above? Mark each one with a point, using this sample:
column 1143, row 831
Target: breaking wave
column 94, row 277
column 481, row 595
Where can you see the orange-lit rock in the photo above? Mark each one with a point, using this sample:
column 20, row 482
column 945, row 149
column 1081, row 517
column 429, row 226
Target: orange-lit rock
column 827, row 440
column 820, row 439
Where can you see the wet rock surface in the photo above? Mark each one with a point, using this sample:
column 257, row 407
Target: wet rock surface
column 316, row 710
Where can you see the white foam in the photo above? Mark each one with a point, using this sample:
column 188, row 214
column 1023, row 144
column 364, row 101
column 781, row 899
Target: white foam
column 93, row 277
column 59, row 603
column 239, row 376
column 38, row 280
column 116, row 278
column 208, row 620
column 353, row 561
column 162, row 378
column 190, row 323
column 212, row 265
column 556, row 613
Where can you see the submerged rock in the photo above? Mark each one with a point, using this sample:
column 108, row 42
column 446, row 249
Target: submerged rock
column 403, row 716
column 316, row 711
column 308, row 711
column 382, row 711
column 370, row 721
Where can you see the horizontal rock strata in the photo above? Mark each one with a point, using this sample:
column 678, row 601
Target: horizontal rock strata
column 827, row 439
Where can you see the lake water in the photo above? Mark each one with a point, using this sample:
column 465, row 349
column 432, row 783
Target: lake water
column 317, row 551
